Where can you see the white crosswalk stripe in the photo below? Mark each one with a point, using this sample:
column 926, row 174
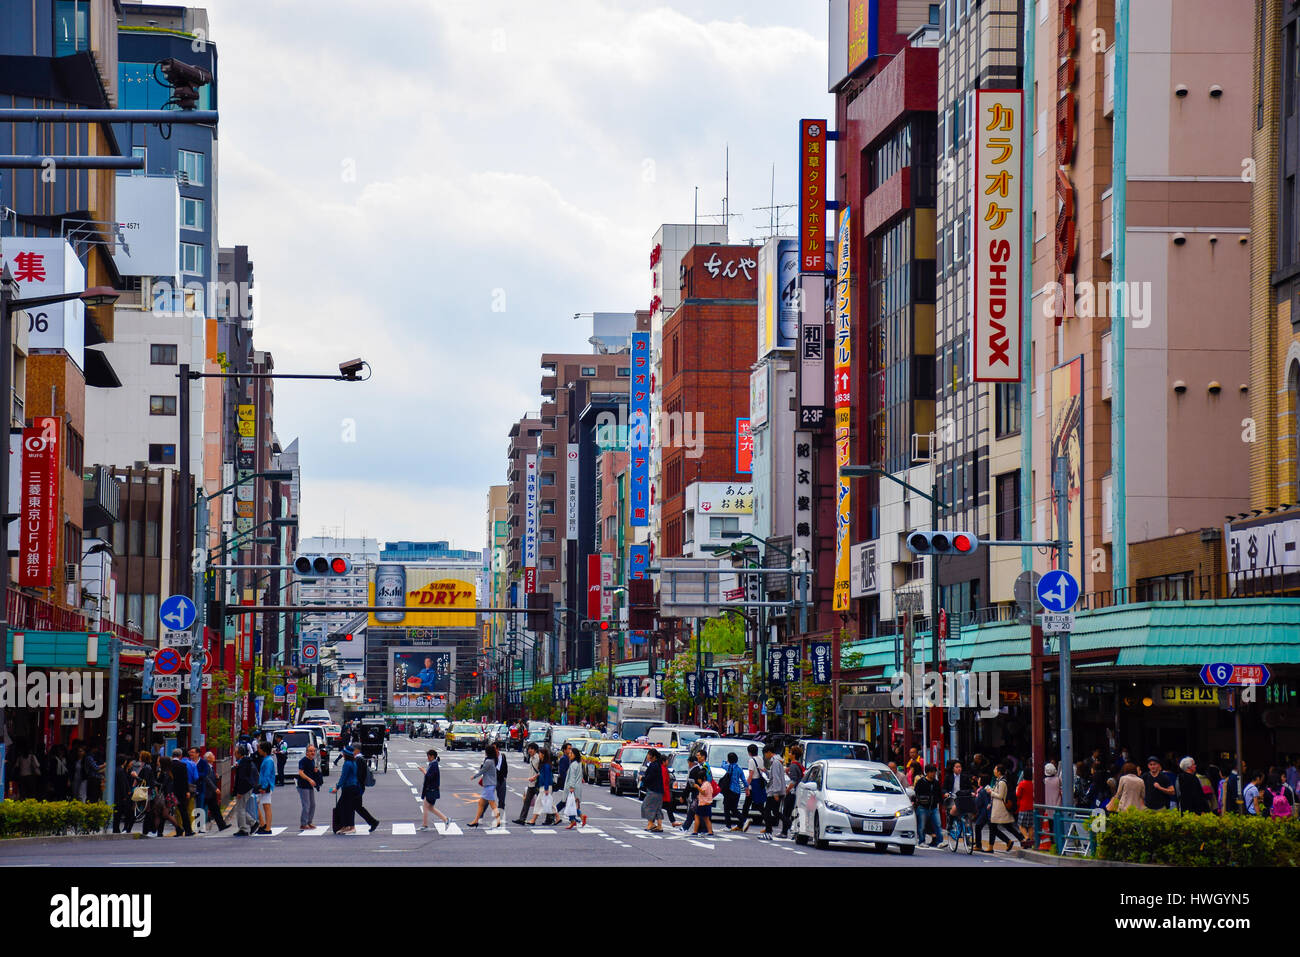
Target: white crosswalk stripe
column 403, row 828
column 451, row 829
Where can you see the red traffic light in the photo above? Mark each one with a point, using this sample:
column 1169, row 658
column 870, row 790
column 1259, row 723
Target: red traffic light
column 604, row 626
column 339, row 566
column 963, row 543
column 347, row 637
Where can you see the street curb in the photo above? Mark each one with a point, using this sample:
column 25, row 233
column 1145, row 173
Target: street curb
column 44, row 839
column 1042, row 857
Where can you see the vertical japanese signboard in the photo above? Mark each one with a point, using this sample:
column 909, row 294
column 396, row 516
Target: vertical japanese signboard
column 820, row 653
column 995, row 326
column 803, row 492
column 638, row 438
column 593, row 587
column 607, row 586
column 571, row 492
column 812, row 349
column 40, row 502
column 843, row 408
column 530, row 511
column 744, row 447
column 638, row 563
column 812, row 195
column 863, row 35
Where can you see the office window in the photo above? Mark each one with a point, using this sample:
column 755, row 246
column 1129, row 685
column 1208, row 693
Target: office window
column 191, row 213
column 160, row 454
column 191, row 258
column 624, row 372
column 934, row 14
column 548, row 508
column 723, row 526
column 162, row 405
column 548, row 478
column 150, row 538
column 548, row 451
column 1006, row 397
column 151, row 616
column 71, row 26
column 162, row 354
column 548, row 534
column 1008, row 505
column 548, row 563
column 589, row 371
column 1176, row 587
column 192, row 165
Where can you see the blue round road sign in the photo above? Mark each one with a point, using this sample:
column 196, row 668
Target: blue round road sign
column 1058, row 590
column 167, row 661
column 177, row 613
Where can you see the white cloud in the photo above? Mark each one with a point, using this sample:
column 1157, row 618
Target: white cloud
column 496, row 146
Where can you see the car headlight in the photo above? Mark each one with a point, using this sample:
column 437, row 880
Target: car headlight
column 837, row 808
column 903, row 812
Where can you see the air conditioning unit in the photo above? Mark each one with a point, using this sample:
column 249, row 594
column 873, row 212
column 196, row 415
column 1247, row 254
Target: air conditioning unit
column 70, row 573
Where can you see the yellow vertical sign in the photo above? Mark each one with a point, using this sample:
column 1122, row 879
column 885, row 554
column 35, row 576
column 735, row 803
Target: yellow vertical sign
column 843, row 407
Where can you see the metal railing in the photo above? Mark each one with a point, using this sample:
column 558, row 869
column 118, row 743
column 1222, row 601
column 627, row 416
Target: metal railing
column 28, row 611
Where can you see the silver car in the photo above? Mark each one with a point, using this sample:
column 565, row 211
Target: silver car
column 861, row 802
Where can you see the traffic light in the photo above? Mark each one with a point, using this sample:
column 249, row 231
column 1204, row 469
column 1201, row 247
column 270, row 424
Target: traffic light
column 539, row 612
column 641, row 604
column 322, row 566
column 595, row 625
column 942, row 543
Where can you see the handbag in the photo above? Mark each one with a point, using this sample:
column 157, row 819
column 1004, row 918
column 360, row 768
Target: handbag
column 141, row 793
column 547, row 803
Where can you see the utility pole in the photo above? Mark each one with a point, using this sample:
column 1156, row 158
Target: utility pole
column 1060, row 479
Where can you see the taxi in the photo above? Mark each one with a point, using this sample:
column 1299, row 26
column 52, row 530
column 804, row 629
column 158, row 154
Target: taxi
column 464, row 734
column 597, row 757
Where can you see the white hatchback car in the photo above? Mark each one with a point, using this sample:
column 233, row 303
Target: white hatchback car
column 862, row 802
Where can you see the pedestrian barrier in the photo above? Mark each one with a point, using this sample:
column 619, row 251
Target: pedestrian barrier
column 1065, row 831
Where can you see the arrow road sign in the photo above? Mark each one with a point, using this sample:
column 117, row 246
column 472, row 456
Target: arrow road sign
column 167, row 684
column 167, row 661
column 166, row 708
column 177, row 613
column 1058, row 590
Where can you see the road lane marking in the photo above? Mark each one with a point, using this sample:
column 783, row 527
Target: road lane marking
column 402, row 775
column 404, row 828
column 701, row 844
column 451, row 829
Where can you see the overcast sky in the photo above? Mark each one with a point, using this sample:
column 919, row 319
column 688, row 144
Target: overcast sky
column 397, row 168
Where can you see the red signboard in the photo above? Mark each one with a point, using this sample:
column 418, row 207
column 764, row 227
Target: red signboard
column 744, row 447
column 593, row 587
column 39, row 501
column 530, row 581
column 812, row 195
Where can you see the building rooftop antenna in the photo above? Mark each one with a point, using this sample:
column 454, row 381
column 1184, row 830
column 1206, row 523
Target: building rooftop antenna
column 726, row 215
column 774, row 209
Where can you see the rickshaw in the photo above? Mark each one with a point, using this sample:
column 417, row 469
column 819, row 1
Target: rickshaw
column 371, row 736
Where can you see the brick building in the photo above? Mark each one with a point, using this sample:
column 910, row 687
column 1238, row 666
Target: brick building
column 709, row 347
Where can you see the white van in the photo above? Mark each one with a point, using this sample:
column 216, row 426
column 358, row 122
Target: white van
column 677, row 735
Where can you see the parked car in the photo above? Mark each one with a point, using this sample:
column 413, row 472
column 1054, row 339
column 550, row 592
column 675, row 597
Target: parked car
column 819, row 749
column 626, row 767
column 465, row 736
column 597, row 759
column 861, row 802
column 677, row 735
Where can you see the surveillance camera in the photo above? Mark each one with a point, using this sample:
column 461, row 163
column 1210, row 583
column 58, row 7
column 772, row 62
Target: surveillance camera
column 184, row 74
column 351, row 370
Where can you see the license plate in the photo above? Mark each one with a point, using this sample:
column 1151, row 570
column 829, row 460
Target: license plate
column 874, row 827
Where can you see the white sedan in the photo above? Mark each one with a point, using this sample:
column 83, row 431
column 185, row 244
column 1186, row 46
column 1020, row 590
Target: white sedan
column 862, row 802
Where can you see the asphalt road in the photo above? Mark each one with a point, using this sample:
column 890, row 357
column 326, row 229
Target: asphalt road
column 613, row 836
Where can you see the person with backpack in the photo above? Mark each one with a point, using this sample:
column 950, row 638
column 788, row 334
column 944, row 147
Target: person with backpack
column 1230, row 800
column 755, row 787
column 733, row 786
column 929, row 795
column 1188, row 794
column 365, row 779
column 1277, row 799
column 245, row 798
column 794, row 772
column 265, row 787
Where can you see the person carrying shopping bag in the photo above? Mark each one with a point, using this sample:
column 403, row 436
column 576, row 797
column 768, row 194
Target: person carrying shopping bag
column 573, row 790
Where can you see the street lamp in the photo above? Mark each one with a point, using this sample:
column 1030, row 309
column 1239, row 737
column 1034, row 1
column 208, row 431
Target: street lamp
column 9, row 304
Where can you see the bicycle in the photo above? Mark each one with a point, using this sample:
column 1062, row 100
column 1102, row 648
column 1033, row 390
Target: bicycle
column 961, row 823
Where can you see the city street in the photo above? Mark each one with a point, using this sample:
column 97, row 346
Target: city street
column 612, row 838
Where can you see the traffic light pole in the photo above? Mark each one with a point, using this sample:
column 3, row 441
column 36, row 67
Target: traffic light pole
column 1060, row 477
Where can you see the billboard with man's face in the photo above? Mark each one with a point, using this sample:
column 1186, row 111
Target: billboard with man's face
column 419, row 671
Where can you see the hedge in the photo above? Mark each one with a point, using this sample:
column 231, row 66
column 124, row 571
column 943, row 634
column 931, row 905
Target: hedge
column 1199, row 840
column 32, row 818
